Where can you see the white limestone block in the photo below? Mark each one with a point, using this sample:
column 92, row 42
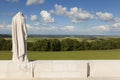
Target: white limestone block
column 3, row 68
column 65, row 67
column 15, row 71
column 59, row 75
column 43, row 66
column 10, row 70
column 104, row 68
column 60, row 69
column 82, row 68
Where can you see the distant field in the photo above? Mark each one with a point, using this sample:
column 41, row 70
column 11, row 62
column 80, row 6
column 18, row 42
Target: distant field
column 33, row 39
column 67, row 55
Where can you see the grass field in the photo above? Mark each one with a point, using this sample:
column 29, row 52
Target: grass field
column 33, row 39
column 67, row 55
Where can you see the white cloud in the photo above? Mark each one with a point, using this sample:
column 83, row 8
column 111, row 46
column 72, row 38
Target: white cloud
column 5, row 26
column 75, row 13
column 8, row 27
column 34, row 18
column 49, row 28
column 70, row 28
column 100, row 28
column 37, row 23
column 105, row 16
column 116, row 27
column 117, row 19
column 43, row 28
column 29, row 26
column 79, row 15
column 12, row 0
column 34, row 2
column 111, row 29
column 46, row 16
column 60, row 10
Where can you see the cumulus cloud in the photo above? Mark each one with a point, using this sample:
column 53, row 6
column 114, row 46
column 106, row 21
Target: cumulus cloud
column 116, row 27
column 104, row 16
column 75, row 13
column 34, row 2
column 100, row 28
column 38, row 28
column 34, row 18
column 29, row 26
column 117, row 19
column 79, row 15
column 70, row 28
column 116, row 24
column 59, row 10
column 12, row 0
column 111, row 29
column 5, row 26
column 52, row 28
column 46, row 16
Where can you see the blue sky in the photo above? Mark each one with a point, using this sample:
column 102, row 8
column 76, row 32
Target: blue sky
column 63, row 17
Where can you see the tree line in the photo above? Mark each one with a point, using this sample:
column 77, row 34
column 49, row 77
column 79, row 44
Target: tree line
column 65, row 44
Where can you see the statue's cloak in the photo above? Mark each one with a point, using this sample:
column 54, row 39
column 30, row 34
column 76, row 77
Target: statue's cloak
column 19, row 37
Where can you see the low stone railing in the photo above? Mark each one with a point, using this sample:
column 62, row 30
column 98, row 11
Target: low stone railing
column 61, row 69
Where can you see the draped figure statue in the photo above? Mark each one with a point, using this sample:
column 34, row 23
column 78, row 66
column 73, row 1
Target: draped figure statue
column 19, row 37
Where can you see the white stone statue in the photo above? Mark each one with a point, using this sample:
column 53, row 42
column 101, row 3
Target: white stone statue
column 19, row 37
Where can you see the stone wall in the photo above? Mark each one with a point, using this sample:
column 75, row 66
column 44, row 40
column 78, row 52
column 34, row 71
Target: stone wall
column 61, row 69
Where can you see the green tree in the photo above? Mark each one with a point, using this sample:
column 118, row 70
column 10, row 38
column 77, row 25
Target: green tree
column 66, row 44
column 54, row 45
column 69, row 44
column 84, row 45
column 30, row 46
column 2, row 43
column 8, row 45
column 76, row 45
column 41, row 45
column 45, row 45
column 95, row 45
column 37, row 45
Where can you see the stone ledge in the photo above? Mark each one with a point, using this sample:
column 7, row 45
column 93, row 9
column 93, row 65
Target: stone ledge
column 105, row 68
column 63, row 70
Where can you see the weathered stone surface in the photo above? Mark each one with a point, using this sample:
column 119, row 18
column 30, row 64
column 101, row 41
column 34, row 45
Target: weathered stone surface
column 8, row 69
column 61, row 70
column 105, row 68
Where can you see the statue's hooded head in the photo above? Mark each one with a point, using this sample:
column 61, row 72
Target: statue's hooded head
column 20, row 13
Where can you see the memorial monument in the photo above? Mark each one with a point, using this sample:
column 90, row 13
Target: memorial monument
column 19, row 37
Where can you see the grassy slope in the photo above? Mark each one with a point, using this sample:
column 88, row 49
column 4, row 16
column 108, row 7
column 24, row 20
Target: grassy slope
column 5, row 55
column 66, row 55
